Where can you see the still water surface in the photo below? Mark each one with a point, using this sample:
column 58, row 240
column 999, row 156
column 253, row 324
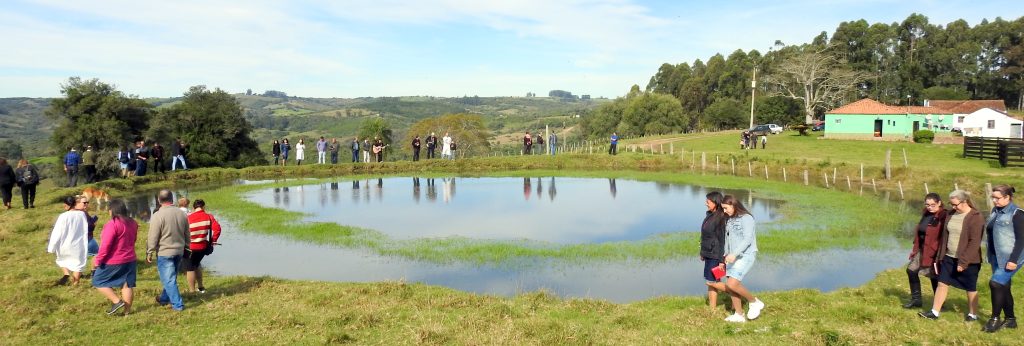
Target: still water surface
column 555, row 210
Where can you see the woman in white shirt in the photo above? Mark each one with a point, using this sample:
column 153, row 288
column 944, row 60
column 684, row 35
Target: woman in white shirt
column 68, row 241
column 446, row 147
column 300, row 152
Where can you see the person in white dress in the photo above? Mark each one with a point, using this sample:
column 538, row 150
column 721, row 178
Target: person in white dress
column 68, row 241
column 300, row 152
column 446, row 147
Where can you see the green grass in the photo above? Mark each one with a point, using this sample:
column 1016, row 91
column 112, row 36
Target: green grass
column 260, row 310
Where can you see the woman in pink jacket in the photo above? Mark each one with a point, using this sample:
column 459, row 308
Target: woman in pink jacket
column 114, row 265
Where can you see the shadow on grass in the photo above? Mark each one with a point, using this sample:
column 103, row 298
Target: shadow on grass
column 234, row 286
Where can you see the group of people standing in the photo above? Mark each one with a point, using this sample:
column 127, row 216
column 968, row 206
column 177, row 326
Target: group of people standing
column 749, row 141
column 25, row 176
column 371, row 152
column 176, row 237
column 538, row 140
column 728, row 248
column 947, row 250
column 133, row 159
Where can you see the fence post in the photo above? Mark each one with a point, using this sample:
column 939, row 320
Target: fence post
column 873, row 186
column 703, row 161
column 826, row 178
column 957, row 187
column 784, row 173
column 750, row 169
column 988, row 192
column 806, row 181
column 906, row 163
column 717, row 165
column 926, row 189
column 733, row 161
column 672, row 148
column 834, row 170
column 766, row 171
column 900, row 183
column 888, row 164
column 849, row 186
column 862, row 174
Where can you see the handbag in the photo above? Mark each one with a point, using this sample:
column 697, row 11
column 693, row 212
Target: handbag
column 718, row 272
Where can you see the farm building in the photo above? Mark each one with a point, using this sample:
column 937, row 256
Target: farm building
column 961, row 108
column 870, row 119
column 987, row 122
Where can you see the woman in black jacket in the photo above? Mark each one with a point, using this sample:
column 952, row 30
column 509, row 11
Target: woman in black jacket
column 28, row 179
column 712, row 245
column 7, row 180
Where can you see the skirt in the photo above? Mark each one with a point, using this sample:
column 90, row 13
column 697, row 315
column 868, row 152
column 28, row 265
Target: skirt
column 966, row 280
column 114, row 275
column 737, row 270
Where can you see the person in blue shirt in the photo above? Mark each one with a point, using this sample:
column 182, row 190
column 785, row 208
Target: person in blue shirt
column 552, row 143
column 615, row 142
column 355, row 149
column 71, row 162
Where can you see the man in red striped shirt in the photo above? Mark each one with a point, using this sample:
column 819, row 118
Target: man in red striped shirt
column 204, row 230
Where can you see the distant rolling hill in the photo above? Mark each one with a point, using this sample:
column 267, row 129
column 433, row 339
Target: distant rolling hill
column 23, row 119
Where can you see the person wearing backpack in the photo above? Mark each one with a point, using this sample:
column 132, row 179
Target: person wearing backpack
column 123, row 158
column 28, row 179
column 7, row 180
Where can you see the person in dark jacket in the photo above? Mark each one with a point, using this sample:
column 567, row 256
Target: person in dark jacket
column 157, row 154
column 712, row 245
column 28, row 178
column 416, row 148
column 431, row 145
column 1005, row 251
column 960, row 248
column 333, row 148
column 924, row 255
column 141, row 158
column 178, row 154
column 7, row 181
column 276, row 150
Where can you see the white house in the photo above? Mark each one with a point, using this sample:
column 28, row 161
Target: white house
column 960, row 110
column 987, row 122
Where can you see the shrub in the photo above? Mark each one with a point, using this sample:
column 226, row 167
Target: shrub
column 924, row 136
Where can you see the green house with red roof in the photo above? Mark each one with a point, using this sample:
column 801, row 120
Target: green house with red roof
column 873, row 120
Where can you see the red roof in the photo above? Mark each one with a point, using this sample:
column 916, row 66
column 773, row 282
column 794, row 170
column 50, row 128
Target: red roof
column 869, row 106
column 968, row 106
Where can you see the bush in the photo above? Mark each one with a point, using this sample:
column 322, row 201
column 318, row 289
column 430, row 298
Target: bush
column 924, row 136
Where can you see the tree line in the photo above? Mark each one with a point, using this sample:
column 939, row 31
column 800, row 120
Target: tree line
column 898, row 63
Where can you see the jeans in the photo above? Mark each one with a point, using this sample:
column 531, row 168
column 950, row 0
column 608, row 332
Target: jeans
column 355, row 156
column 140, row 168
column 551, row 149
column 167, row 267
column 28, row 195
column 174, row 162
column 612, row 149
column 94, row 247
column 72, row 176
column 334, row 157
column 90, row 174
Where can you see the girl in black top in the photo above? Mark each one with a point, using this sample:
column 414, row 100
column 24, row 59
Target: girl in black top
column 712, row 245
column 7, row 180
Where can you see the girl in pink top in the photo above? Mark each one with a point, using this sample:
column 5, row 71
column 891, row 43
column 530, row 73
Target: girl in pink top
column 114, row 265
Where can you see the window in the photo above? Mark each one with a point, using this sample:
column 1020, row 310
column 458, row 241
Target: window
column 991, row 124
column 960, row 119
column 839, row 120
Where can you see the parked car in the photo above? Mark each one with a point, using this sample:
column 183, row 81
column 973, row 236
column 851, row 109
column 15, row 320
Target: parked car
column 760, row 130
column 776, row 129
column 819, row 127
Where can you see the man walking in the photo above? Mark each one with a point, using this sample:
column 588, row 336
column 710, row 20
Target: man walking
column 89, row 164
column 321, row 151
column 141, row 158
column 416, row 148
column 71, row 162
column 355, row 149
column 431, row 145
column 178, row 154
column 615, row 142
column 157, row 154
column 167, row 240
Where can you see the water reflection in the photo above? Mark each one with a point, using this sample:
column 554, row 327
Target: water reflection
column 245, row 254
column 486, row 209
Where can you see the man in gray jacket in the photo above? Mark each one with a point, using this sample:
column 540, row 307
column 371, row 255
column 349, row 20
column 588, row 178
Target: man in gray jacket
column 168, row 239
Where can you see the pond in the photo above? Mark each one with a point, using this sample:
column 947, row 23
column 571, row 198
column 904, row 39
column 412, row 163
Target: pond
column 554, row 210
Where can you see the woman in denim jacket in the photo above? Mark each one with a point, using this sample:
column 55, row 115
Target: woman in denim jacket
column 1005, row 230
column 740, row 254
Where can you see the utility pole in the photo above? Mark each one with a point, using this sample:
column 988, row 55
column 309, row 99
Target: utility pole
column 753, row 88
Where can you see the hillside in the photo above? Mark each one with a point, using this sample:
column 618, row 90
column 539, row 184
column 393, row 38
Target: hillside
column 23, row 119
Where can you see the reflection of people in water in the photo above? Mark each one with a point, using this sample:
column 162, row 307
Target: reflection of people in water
column 416, row 190
column 277, row 196
column 448, row 189
column 540, row 189
column 611, row 185
column 286, row 196
column 551, row 190
column 431, row 190
column 526, row 188
column 355, row 191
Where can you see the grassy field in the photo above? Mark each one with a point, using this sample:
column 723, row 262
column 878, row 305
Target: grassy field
column 266, row 310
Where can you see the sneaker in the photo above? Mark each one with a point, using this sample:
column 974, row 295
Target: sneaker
column 928, row 314
column 63, row 281
column 737, row 318
column 754, row 310
column 114, row 307
column 202, row 289
column 992, row 325
column 1011, row 322
column 970, row 318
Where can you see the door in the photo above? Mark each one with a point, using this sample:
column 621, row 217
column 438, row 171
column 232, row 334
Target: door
column 1015, row 130
column 878, row 128
column 917, row 126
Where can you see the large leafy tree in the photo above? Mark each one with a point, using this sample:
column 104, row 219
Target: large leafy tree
column 374, row 127
column 467, row 130
column 95, row 113
column 640, row 113
column 212, row 125
column 817, row 78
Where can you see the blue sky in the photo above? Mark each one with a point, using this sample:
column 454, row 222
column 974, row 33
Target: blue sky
column 397, row 48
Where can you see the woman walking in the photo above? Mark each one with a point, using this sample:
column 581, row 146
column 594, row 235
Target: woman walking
column 114, row 266
column 205, row 231
column 285, row 148
column 7, row 181
column 960, row 246
column 68, row 242
column 1005, row 230
column 275, row 149
column 712, row 246
column 300, row 152
column 740, row 254
column 124, row 158
column 28, row 179
column 926, row 247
